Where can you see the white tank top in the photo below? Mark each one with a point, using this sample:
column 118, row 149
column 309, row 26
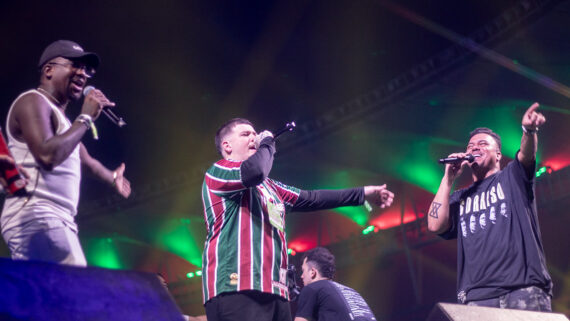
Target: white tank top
column 55, row 193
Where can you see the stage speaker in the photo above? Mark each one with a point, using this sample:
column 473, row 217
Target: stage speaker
column 38, row 291
column 460, row 312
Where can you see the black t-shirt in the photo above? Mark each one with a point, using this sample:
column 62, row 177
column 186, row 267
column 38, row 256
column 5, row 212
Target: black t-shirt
column 500, row 247
column 326, row 300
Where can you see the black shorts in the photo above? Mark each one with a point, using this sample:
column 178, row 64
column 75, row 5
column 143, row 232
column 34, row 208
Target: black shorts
column 246, row 306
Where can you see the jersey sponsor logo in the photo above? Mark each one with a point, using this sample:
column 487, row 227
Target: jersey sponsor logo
column 282, row 287
column 275, row 208
column 282, row 284
column 234, row 278
column 282, row 276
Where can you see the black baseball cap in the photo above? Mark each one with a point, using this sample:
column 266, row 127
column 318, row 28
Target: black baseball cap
column 70, row 50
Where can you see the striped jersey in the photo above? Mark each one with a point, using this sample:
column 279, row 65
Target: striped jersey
column 245, row 247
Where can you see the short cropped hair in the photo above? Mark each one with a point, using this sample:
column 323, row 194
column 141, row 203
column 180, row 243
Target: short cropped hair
column 484, row 130
column 322, row 260
column 226, row 128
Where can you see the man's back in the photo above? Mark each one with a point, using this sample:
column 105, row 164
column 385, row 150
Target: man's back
column 326, row 300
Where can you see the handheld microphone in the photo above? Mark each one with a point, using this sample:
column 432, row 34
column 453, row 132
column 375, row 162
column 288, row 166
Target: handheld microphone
column 449, row 160
column 294, row 289
column 288, row 127
column 108, row 112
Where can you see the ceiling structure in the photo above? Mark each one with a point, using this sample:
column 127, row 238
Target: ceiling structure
column 379, row 92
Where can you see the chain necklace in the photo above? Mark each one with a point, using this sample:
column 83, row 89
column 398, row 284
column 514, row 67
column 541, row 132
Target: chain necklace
column 49, row 96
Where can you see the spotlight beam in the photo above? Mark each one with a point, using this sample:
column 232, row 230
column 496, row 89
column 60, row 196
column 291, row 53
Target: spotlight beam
column 482, row 51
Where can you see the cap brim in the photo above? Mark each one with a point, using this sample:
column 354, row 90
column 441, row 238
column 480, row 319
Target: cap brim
column 90, row 58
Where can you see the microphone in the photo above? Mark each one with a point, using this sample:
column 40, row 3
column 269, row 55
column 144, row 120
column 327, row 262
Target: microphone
column 108, row 112
column 294, row 289
column 288, row 127
column 449, row 160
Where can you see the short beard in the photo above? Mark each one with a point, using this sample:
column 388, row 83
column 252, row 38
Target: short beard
column 479, row 171
column 71, row 95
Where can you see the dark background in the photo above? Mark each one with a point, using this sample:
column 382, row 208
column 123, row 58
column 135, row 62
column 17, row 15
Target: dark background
column 378, row 95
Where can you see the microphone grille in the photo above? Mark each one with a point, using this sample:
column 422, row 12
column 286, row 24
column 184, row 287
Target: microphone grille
column 87, row 89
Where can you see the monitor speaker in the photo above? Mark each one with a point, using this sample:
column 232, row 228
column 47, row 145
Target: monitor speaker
column 39, row 291
column 460, row 312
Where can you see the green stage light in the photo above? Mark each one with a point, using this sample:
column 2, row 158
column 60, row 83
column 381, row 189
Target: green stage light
column 343, row 179
column 199, row 273
column 426, row 175
column 413, row 163
column 504, row 118
column 368, row 230
column 103, row 253
column 190, row 275
column 358, row 214
column 176, row 237
column 541, row 171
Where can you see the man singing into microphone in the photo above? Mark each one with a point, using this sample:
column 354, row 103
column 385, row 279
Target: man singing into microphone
column 245, row 255
column 41, row 224
column 500, row 258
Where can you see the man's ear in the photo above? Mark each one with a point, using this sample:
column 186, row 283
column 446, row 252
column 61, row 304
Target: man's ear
column 47, row 70
column 313, row 273
column 227, row 147
column 499, row 156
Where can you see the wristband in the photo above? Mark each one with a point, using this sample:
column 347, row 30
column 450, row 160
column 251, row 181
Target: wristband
column 88, row 122
column 529, row 131
column 114, row 178
column 85, row 120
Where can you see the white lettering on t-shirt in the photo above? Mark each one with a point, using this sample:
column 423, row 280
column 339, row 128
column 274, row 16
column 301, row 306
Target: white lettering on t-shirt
column 500, row 192
column 493, row 195
column 356, row 305
column 482, row 205
column 480, row 208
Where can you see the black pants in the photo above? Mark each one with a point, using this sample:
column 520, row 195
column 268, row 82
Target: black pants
column 246, row 306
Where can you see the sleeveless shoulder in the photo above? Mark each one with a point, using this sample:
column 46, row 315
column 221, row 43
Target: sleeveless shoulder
column 30, row 98
column 33, row 99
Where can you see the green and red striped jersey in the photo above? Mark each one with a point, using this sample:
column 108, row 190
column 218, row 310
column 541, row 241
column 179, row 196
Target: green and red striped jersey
column 245, row 247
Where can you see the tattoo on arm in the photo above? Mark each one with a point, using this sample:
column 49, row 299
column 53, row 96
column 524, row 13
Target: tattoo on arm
column 434, row 209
